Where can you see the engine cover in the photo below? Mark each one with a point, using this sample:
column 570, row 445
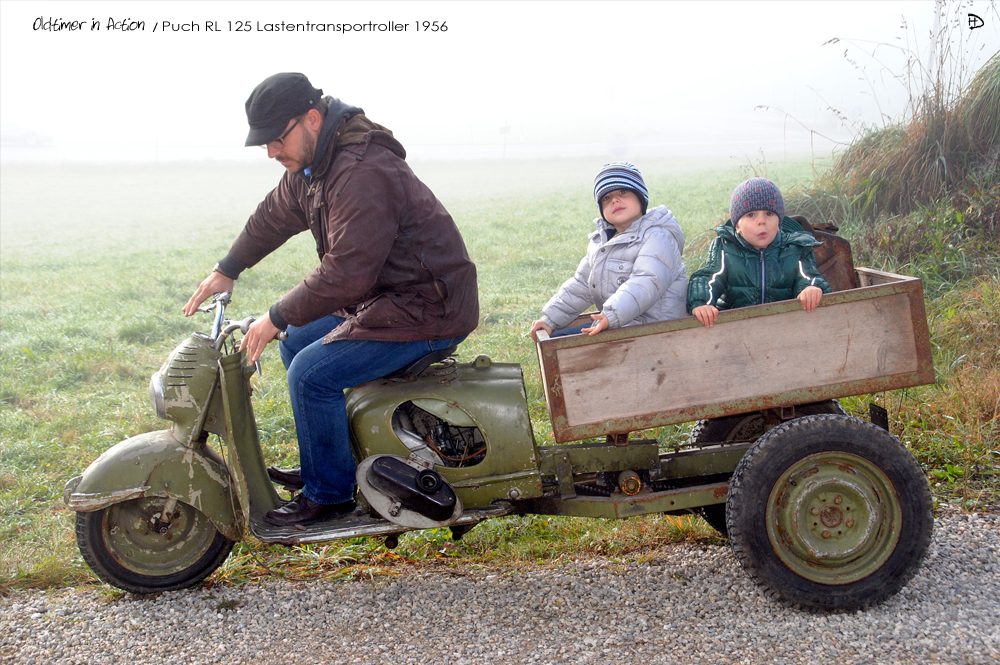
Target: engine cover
column 407, row 493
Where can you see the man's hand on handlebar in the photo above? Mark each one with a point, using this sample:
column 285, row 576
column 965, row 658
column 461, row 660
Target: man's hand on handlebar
column 216, row 282
column 260, row 333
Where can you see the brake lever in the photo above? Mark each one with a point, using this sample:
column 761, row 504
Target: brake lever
column 245, row 325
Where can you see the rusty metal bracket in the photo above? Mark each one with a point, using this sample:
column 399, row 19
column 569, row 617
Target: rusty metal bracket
column 618, row 439
column 564, row 473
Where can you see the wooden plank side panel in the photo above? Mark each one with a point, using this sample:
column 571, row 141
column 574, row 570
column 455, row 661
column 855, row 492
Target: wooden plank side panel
column 738, row 360
column 638, row 377
column 872, row 277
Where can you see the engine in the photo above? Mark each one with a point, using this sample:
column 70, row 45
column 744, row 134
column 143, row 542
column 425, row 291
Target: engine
column 436, row 440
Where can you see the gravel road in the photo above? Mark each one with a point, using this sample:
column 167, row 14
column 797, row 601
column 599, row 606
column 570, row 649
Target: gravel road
column 687, row 604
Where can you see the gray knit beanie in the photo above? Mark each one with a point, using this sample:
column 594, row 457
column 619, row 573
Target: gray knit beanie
column 620, row 175
column 756, row 194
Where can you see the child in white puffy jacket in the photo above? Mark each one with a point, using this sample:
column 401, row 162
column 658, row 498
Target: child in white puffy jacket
column 632, row 272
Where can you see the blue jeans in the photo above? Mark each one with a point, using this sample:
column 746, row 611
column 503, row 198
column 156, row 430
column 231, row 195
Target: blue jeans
column 575, row 330
column 317, row 376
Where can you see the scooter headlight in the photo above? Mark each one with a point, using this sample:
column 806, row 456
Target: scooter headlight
column 156, row 396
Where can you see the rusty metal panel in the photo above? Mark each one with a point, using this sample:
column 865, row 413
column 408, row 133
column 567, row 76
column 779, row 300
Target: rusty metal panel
column 703, row 462
column 835, row 262
column 593, row 457
column 834, row 259
column 881, row 329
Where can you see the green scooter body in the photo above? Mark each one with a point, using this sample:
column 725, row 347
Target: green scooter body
column 480, row 394
column 202, row 391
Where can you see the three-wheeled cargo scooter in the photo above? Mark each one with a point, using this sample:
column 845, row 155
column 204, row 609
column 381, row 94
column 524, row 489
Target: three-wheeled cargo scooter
column 821, row 508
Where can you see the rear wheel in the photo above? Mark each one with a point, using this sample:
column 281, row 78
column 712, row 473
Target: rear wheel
column 830, row 512
column 752, row 426
column 135, row 546
column 744, row 427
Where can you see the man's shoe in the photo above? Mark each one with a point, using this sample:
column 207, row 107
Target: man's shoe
column 288, row 478
column 302, row 510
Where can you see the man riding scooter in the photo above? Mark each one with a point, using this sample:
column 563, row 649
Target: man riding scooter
column 394, row 282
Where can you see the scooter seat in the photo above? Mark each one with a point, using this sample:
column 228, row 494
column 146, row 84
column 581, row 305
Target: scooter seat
column 414, row 369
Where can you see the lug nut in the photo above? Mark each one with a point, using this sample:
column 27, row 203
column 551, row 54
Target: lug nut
column 850, row 523
column 826, row 534
column 814, row 510
column 838, row 499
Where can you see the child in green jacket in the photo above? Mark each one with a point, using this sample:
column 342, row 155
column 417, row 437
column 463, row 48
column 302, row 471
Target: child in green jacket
column 760, row 256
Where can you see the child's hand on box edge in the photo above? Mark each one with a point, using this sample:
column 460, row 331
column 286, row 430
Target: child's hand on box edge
column 601, row 323
column 707, row 314
column 810, row 297
column 539, row 325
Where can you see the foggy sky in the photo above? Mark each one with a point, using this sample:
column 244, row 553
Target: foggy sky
column 559, row 77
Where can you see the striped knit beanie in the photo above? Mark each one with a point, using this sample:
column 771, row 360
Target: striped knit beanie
column 756, row 194
column 620, row 175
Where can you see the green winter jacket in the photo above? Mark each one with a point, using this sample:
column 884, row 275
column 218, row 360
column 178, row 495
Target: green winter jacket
column 733, row 274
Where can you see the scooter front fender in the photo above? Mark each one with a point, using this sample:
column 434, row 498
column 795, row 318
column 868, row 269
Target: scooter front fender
column 157, row 464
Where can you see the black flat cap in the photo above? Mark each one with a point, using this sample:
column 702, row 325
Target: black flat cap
column 274, row 102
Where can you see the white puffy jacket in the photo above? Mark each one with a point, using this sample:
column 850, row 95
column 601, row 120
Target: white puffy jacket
column 635, row 277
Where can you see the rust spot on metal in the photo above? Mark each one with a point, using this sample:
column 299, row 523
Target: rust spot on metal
column 847, row 353
column 785, row 537
column 831, row 516
column 720, row 492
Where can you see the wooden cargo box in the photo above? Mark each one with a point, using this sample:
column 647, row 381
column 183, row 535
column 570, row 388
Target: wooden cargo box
column 862, row 340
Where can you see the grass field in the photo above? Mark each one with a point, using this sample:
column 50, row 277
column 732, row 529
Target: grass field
column 96, row 261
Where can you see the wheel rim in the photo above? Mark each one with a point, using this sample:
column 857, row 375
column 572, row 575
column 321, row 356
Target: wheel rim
column 833, row 518
column 750, row 428
column 140, row 541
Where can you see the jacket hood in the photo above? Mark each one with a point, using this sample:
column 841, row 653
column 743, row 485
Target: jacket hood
column 658, row 216
column 338, row 111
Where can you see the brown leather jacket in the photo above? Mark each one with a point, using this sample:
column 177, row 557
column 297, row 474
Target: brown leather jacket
column 392, row 259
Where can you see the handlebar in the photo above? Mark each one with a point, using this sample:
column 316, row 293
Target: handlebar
column 222, row 329
column 243, row 326
column 218, row 306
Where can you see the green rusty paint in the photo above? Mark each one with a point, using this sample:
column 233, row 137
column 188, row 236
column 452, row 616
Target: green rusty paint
column 489, row 395
column 702, row 462
column 188, row 378
column 620, row 506
column 156, row 464
column 833, row 518
column 246, row 460
column 595, row 457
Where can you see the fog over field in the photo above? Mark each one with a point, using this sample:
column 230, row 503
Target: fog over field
column 503, row 80
column 490, row 99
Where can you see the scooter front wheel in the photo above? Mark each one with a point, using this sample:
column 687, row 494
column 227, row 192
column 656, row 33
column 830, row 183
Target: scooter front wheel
column 136, row 546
